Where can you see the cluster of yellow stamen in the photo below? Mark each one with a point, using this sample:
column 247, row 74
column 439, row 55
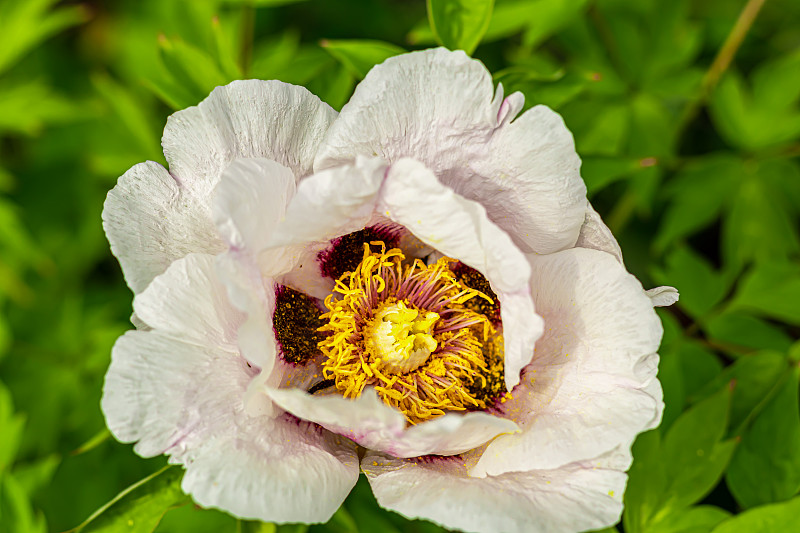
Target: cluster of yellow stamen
column 402, row 328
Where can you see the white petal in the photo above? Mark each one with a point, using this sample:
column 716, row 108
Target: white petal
column 437, row 106
column 245, row 119
column 573, row 498
column 588, row 388
column 280, row 470
column 663, row 296
column 332, row 203
column 596, row 235
column 250, row 199
column 187, row 401
column 151, row 220
column 253, row 294
column 459, row 228
column 376, row 426
column 189, row 303
column 169, row 395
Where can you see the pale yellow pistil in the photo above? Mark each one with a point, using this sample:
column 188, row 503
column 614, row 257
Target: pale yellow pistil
column 399, row 338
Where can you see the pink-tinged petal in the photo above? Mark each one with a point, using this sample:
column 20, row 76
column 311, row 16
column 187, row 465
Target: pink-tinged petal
column 459, row 228
column 249, row 200
column 280, row 470
column 245, row 119
column 188, row 302
column 663, row 296
column 576, row 497
column 590, row 386
column 254, row 295
column 438, row 107
column 332, row 203
column 151, row 220
column 186, row 400
column 151, row 394
column 374, row 425
column 596, row 235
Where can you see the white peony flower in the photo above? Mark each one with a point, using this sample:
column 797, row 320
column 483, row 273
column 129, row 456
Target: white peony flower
column 416, row 289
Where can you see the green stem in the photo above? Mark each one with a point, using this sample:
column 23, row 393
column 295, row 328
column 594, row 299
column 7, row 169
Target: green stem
column 723, row 59
column 248, row 36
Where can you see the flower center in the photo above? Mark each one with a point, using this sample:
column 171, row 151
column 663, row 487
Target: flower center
column 400, row 338
column 404, row 329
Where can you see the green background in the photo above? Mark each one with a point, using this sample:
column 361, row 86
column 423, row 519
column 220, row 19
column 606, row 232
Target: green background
column 685, row 115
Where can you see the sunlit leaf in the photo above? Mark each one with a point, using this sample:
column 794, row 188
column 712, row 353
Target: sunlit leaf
column 24, row 25
column 139, row 508
column 30, row 106
column 460, row 24
column 11, row 426
column 747, row 123
column 669, row 475
column 191, row 67
column 764, row 519
column 699, row 519
column 360, row 56
column 130, row 112
column 16, row 512
column 261, row 3
column 694, row 455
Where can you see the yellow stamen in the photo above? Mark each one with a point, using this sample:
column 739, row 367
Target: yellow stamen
column 404, row 330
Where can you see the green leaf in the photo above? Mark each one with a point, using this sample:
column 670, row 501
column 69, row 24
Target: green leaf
column 599, row 130
column 668, row 476
column 773, row 518
column 30, row 106
column 131, row 113
column 685, row 368
column 772, row 290
column 273, row 56
column 16, row 512
column 699, row 519
column 694, row 456
column 546, row 17
column 11, row 426
column 755, row 376
column 759, row 225
column 766, row 468
column 226, row 53
column 333, row 85
column 697, row 195
column 191, row 67
column 261, row 3
column 460, row 24
column 360, row 56
column 24, row 25
column 139, row 508
column 746, row 331
column 194, row 519
column 600, row 172
column 776, row 84
column 748, row 123
column 341, row 522
column 33, row 476
column 253, row 526
column 647, row 482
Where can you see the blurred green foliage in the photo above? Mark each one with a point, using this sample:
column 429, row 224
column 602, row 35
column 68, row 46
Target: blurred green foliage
column 690, row 142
